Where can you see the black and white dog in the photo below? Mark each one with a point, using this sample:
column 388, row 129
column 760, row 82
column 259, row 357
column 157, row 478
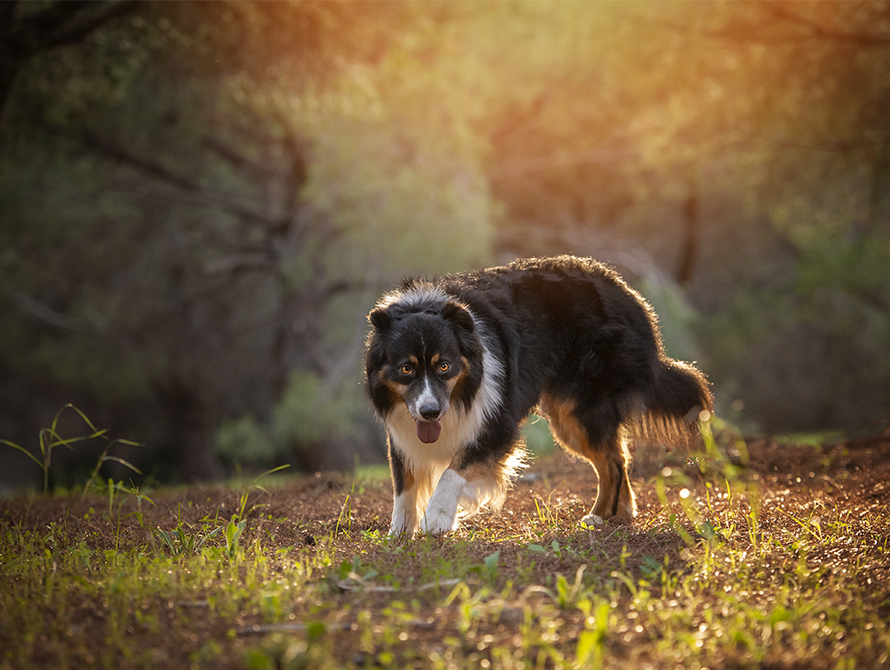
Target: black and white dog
column 454, row 365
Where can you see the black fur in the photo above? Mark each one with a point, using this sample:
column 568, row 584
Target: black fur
column 565, row 335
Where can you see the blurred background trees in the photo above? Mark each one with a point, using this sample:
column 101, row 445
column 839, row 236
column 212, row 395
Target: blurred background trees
column 199, row 202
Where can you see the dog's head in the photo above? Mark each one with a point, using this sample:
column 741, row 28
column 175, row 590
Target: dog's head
column 426, row 356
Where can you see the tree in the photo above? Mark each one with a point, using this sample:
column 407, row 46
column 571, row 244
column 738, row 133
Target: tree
column 27, row 30
column 238, row 205
column 220, row 191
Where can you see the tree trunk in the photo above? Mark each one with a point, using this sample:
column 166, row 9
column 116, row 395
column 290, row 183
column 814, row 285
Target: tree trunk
column 191, row 432
column 691, row 224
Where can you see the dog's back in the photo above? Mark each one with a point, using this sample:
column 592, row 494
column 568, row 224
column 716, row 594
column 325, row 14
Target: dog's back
column 573, row 327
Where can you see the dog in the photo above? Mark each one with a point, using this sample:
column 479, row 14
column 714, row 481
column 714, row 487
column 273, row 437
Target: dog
column 454, row 366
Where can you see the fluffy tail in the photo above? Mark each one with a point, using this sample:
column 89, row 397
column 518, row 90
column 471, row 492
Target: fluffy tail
column 680, row 393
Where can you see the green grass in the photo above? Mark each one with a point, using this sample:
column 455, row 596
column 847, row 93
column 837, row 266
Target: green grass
column 814, row 439
column 724, row 567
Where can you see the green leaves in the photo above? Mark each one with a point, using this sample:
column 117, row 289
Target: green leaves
column 233, row 537
column 489, row 568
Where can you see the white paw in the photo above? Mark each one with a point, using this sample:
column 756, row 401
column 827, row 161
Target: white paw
column 404, row 516
column 593, row 521
column 441, row 512
column 438, row 521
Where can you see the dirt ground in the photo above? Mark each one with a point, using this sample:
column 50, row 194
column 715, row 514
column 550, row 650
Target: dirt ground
column 850, row 475
column 844, row 481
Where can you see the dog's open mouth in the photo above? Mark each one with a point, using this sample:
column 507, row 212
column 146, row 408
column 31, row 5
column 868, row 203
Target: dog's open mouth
column 428, row 431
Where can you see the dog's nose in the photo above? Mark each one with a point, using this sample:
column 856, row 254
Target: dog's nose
column 429, row 412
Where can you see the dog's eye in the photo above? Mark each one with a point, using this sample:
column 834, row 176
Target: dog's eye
column 406, row 370
column 444, row 367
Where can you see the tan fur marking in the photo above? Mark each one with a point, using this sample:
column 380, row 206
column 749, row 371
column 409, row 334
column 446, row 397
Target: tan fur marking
column 478, row 471
column 459, row 378
column 408, row 475
column 398, row 390
column 453, row 382
column 568, row 432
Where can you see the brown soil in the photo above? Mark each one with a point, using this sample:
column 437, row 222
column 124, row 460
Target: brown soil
column 847, row 482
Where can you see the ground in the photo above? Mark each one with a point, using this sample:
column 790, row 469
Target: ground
column 755, row 553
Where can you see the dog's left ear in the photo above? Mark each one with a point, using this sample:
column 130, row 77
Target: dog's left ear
column 453, row 311
column 380, row 318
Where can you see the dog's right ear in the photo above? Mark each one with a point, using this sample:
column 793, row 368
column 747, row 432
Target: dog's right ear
column 381, row 318
column 457, row 313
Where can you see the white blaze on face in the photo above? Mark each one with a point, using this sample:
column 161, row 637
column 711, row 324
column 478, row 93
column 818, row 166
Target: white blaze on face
column 426, row 397
column 428, row 430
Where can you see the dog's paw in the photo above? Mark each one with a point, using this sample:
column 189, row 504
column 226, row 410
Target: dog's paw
column 593, row 521
column 439, row 521
column 400, row 531
column 401, row 526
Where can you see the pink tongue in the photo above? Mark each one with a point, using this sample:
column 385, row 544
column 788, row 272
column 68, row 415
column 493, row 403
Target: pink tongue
column 428, row 431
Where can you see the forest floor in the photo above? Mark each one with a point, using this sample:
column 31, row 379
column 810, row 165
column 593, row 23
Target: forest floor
column 757, row 554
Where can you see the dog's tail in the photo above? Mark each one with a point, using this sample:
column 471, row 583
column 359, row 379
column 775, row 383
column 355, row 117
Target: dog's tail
column 678, row 397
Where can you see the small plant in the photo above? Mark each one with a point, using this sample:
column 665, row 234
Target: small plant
column 489, row 568
column 243, row 512
column 345, row 513
column 566, row 594
column 548, row 514
column 233, row 533
column 470, row 606
column 589, row 651
column 49, row 439
column 555, row 548
column 182, row 543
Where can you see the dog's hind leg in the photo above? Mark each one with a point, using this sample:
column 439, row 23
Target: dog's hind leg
column 614, row 496
column 597, row 438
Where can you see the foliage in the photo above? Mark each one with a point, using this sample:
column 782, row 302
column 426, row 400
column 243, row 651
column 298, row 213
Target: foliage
column 677, row 319
column 221, row 190
column 202, row 254
column 242, row 440
column 306, row 415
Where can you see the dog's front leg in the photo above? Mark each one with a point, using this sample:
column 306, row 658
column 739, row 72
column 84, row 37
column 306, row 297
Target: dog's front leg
column 404, row 514
column 441, row 512
column 405, row 490
column 411, row 484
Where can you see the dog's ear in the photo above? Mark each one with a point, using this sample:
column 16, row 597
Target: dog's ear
column 453, row 311
column 381, row 318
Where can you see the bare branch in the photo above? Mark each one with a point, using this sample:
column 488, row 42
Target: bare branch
column 54, row 318
column 181, row 182
column 816, row 29
column 64, row 23
column 763, row 29
column 239, row 263
column 234, row 158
